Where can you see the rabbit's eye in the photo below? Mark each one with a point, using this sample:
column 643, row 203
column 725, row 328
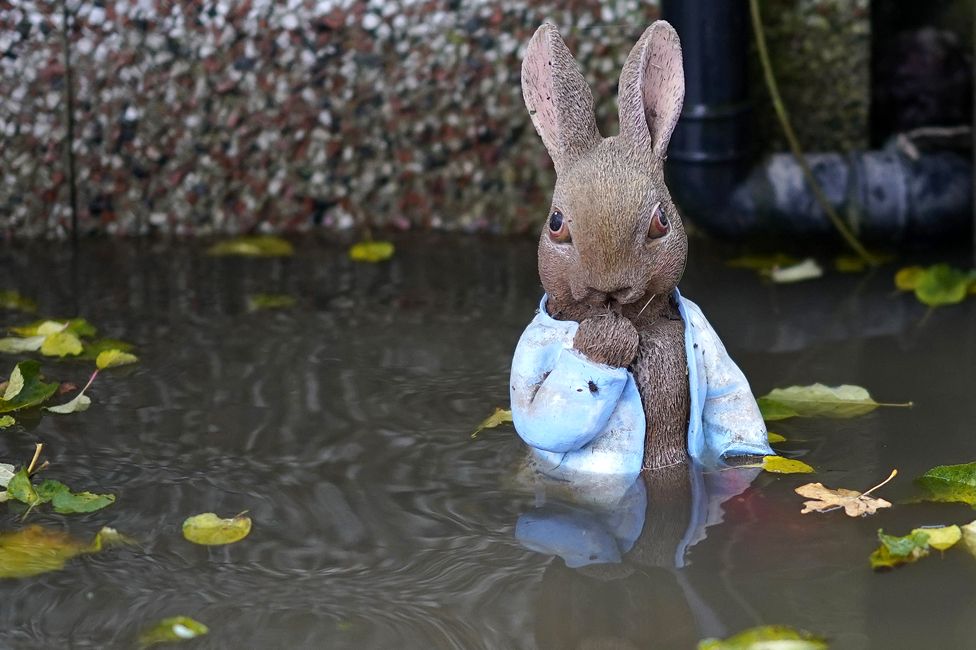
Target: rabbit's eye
column 558, row 228
column 660, row 224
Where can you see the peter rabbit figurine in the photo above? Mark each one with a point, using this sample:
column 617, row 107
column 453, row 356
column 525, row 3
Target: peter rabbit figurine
column 618, row 372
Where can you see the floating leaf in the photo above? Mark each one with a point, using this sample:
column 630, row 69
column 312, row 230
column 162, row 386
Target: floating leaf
column 253, row 246
column 66, row 502
column 762, row 262
column 780, row 465
column 210, row 530
column 969, row 537
column 942, row 285
column 260, row 301
column 61, row 344
column 14, row 385
column 7, row 421
column 12, row 300
column 34, row 391
column 13, row 345
column 774, row 437
column 949, row 483
column 114, row 357
column 95, row 348
column 500, row 416
column 818, row 400
column 808, row 269
column 168, row 630
column 906, row 279
column 855, row 504
column 850, row 264
column 895, row 551
column 35, row 550
column 767, row 637
column 77, row 326
column 6, row 473
column 80, row 403
column 21, row 488
column 371, row 251
column 941, row 538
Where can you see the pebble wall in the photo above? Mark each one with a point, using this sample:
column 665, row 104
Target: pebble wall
column 221, row 116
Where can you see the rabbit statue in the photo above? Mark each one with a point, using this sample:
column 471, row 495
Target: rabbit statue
column 618, row 372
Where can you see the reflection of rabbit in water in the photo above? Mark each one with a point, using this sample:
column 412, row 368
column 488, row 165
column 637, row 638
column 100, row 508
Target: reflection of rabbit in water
column 618, row 372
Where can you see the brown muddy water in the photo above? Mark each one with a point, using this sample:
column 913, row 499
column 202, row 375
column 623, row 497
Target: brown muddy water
column 343, row 427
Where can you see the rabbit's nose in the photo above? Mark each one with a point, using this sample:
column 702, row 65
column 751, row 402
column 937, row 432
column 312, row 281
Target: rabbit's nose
column 627, row 295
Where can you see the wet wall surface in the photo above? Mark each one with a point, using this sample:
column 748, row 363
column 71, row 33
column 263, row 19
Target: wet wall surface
column 343, row 427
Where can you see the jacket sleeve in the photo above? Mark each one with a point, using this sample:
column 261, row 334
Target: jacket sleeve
column 560, row 399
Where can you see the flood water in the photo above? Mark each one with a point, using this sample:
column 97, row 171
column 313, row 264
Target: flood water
column 343, row 427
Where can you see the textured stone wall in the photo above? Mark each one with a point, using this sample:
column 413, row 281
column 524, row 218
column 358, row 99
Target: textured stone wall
column 226, row 116
column 220, row 116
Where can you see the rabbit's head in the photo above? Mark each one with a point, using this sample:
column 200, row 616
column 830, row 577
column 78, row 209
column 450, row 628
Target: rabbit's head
column 613, row 237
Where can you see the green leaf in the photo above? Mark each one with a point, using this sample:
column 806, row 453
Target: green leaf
column 942, row 285
column 500, row 416
column 114, row 357
column 762, row 262
column 210, row 530
column 258, row 301
column 767, row 637
column 21, row 488
column 61, row 344
column 253, row 246
column 371, row 251
column 895, row 551
column 35, row 550
column 10, row 299
column 168, row 630
column 780, row 465
column 13, row 345
column 66, row 502
column 808, row 269
column 34, row 391
column 818, row 400
column 949, row 483
column 774, row 437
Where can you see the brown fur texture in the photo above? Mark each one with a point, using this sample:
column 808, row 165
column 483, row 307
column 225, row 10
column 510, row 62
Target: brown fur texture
column 613, row 274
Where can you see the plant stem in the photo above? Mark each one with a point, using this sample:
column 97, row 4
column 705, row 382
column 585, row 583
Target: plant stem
column 893, row 474
column 784, row 121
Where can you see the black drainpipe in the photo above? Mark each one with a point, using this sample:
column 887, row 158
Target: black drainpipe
column 885, row 195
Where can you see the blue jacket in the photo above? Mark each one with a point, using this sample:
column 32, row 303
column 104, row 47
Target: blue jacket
column 585, row 418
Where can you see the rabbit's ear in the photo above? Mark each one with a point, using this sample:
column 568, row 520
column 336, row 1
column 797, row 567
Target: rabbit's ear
column 558, row 98
column 652, row 89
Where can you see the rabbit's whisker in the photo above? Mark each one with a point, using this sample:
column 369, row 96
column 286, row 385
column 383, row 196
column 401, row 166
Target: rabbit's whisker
column 645, row 306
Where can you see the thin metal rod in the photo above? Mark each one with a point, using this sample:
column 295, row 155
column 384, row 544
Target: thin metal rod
column 69, row 108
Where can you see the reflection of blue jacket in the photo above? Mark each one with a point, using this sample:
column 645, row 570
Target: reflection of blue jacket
column 582, row 417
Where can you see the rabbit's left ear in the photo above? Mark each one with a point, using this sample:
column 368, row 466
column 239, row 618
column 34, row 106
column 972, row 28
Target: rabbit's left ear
column 652, row 89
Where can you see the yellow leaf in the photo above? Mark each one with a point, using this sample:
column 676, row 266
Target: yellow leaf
column 774, row 437
column 500, row 416
column 781, row 465
column 113, row 357
column 371, row 251
column 210, row 530
column 906, row 279
column 34, row 550
column 61, row 344
column 941, row 538
column 253, row 246
column 969, row 537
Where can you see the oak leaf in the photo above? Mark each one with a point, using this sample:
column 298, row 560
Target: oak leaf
column 855, row 504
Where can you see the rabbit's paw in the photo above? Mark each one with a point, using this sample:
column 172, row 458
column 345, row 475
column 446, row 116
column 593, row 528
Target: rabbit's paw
column 608, row 338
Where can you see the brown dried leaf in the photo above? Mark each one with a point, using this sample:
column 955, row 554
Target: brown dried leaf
column 855, row 504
